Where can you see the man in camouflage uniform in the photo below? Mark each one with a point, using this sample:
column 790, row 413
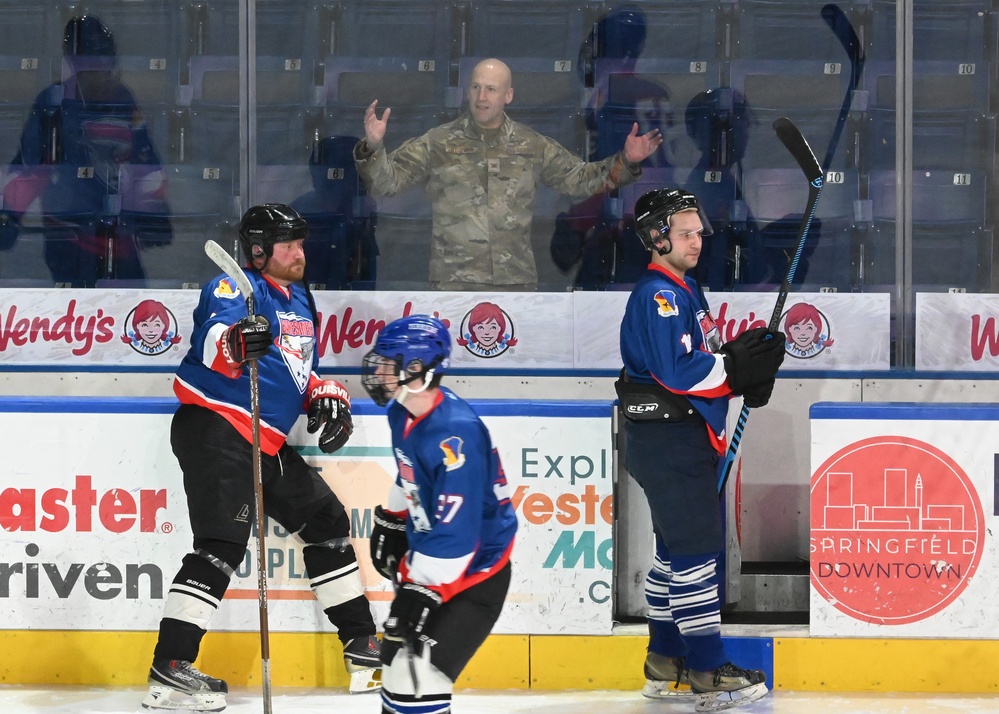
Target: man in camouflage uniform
column 480, row 173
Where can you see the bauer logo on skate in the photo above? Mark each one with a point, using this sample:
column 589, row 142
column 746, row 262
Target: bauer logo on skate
column 897, row 530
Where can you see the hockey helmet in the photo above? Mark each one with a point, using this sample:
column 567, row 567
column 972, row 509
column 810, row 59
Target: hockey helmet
column 654, row 210
column 263, row 226
column 410, row 349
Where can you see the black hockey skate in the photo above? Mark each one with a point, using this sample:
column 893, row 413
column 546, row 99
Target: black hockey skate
column 362, row 658
column 176, row 684
column 726, row 687
column 666, row 678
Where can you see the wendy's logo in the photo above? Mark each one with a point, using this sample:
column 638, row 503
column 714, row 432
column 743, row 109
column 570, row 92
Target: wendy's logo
column 150, row 328
column 487, row 331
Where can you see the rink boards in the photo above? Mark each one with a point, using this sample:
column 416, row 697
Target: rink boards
column 92, row 483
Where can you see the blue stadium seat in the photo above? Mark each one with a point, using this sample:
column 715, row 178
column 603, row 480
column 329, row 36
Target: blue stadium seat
column 952, row 245
column 414, row 90
column 289, row 29
column 943, row 30
column 403, row 228
column 187, row 204
column 962, row 142
column 19, row 86
column 775, row 202
column 554, row 29
column 339, row 249
column 653, row 29
column 811, row 94
column 547, row 96
column 151, row 29
column 286, row 128
column 791, row 30
column 937, row 86
column 31, row 31
column 657, row 93
column 392, row 28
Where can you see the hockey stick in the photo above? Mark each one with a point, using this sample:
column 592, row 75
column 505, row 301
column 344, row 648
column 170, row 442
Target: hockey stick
column 231, row 268
column 841, row 26
column 794, row 142
column 407, row 643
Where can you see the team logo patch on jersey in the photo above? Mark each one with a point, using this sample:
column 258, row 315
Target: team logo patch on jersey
column 226, row 289
column 453, row 458
column 297, row 341
column 487, row 331
column 666, row 303
column 150, row 328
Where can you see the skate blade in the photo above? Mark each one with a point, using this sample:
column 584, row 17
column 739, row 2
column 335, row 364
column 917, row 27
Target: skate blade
column 667, row 690
column 365, row 680
column 720, row 701
column 164, row 698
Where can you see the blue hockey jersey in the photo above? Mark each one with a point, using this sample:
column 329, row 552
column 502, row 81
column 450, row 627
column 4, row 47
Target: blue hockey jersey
column 284, row 374
column 452, row 489
column 669, row 336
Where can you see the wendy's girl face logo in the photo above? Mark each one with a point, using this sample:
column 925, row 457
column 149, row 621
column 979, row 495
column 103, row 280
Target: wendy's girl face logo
column 150, row 328
column 487, row 331
column 897, row 530
column 807, row 331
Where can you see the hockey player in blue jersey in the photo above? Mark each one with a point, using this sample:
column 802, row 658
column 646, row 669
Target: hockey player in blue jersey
column 446, row 533
column 674, row 390
column 212, row 439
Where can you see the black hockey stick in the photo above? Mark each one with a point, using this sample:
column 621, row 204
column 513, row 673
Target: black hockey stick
column 231, row 268
column 407, row 641
column 792, row 139
column 841, row 26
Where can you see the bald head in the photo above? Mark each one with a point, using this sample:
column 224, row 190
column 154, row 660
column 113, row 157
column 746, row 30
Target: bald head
column 490, row 90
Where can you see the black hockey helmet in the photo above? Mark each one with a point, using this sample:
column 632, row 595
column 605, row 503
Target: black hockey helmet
column 263, row 226
column 654, row 210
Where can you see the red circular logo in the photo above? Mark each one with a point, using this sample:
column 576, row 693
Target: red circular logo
column 897, row 530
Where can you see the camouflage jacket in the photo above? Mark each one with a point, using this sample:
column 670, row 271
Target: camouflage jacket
column 483, row 193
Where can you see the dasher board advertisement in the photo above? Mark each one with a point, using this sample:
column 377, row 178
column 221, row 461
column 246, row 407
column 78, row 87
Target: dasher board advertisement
column 94, row 517
column 492, row 332
column 903, row 508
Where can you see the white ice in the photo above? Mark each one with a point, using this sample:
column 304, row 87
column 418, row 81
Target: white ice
column 16, row 699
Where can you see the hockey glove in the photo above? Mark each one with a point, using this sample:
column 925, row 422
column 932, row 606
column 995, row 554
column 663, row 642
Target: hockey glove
column 752, row 357
column 250, row 338
column 758, row 395
column 389, row 542
column 329, row 409
column 412, row 607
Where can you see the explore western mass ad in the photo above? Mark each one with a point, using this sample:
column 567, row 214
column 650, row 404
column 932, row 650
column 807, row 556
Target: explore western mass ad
column 94, row 517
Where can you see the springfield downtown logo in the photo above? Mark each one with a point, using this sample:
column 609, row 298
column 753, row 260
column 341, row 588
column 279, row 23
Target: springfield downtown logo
column 897, row 530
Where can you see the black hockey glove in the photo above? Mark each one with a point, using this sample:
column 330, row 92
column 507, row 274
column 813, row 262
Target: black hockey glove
column 752, row 357
column 250, row 338
column 758, row 395
column 329, row 408
column 412, row 607
column 389, row 542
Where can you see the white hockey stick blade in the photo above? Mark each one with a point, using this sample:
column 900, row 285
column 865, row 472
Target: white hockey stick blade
column 229, row 266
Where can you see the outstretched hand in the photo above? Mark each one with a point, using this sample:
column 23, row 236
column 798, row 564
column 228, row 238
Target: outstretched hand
column 636, row 148
column 374, row 128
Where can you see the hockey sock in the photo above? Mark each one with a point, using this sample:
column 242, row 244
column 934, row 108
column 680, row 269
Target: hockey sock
column 336, row 579
column 695, row 605
column 193, row 598
column 664, row 635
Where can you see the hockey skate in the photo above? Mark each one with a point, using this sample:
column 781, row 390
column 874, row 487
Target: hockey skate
column 176, row 684
column 726, row 687
column 362, row 658
column 666, row 678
